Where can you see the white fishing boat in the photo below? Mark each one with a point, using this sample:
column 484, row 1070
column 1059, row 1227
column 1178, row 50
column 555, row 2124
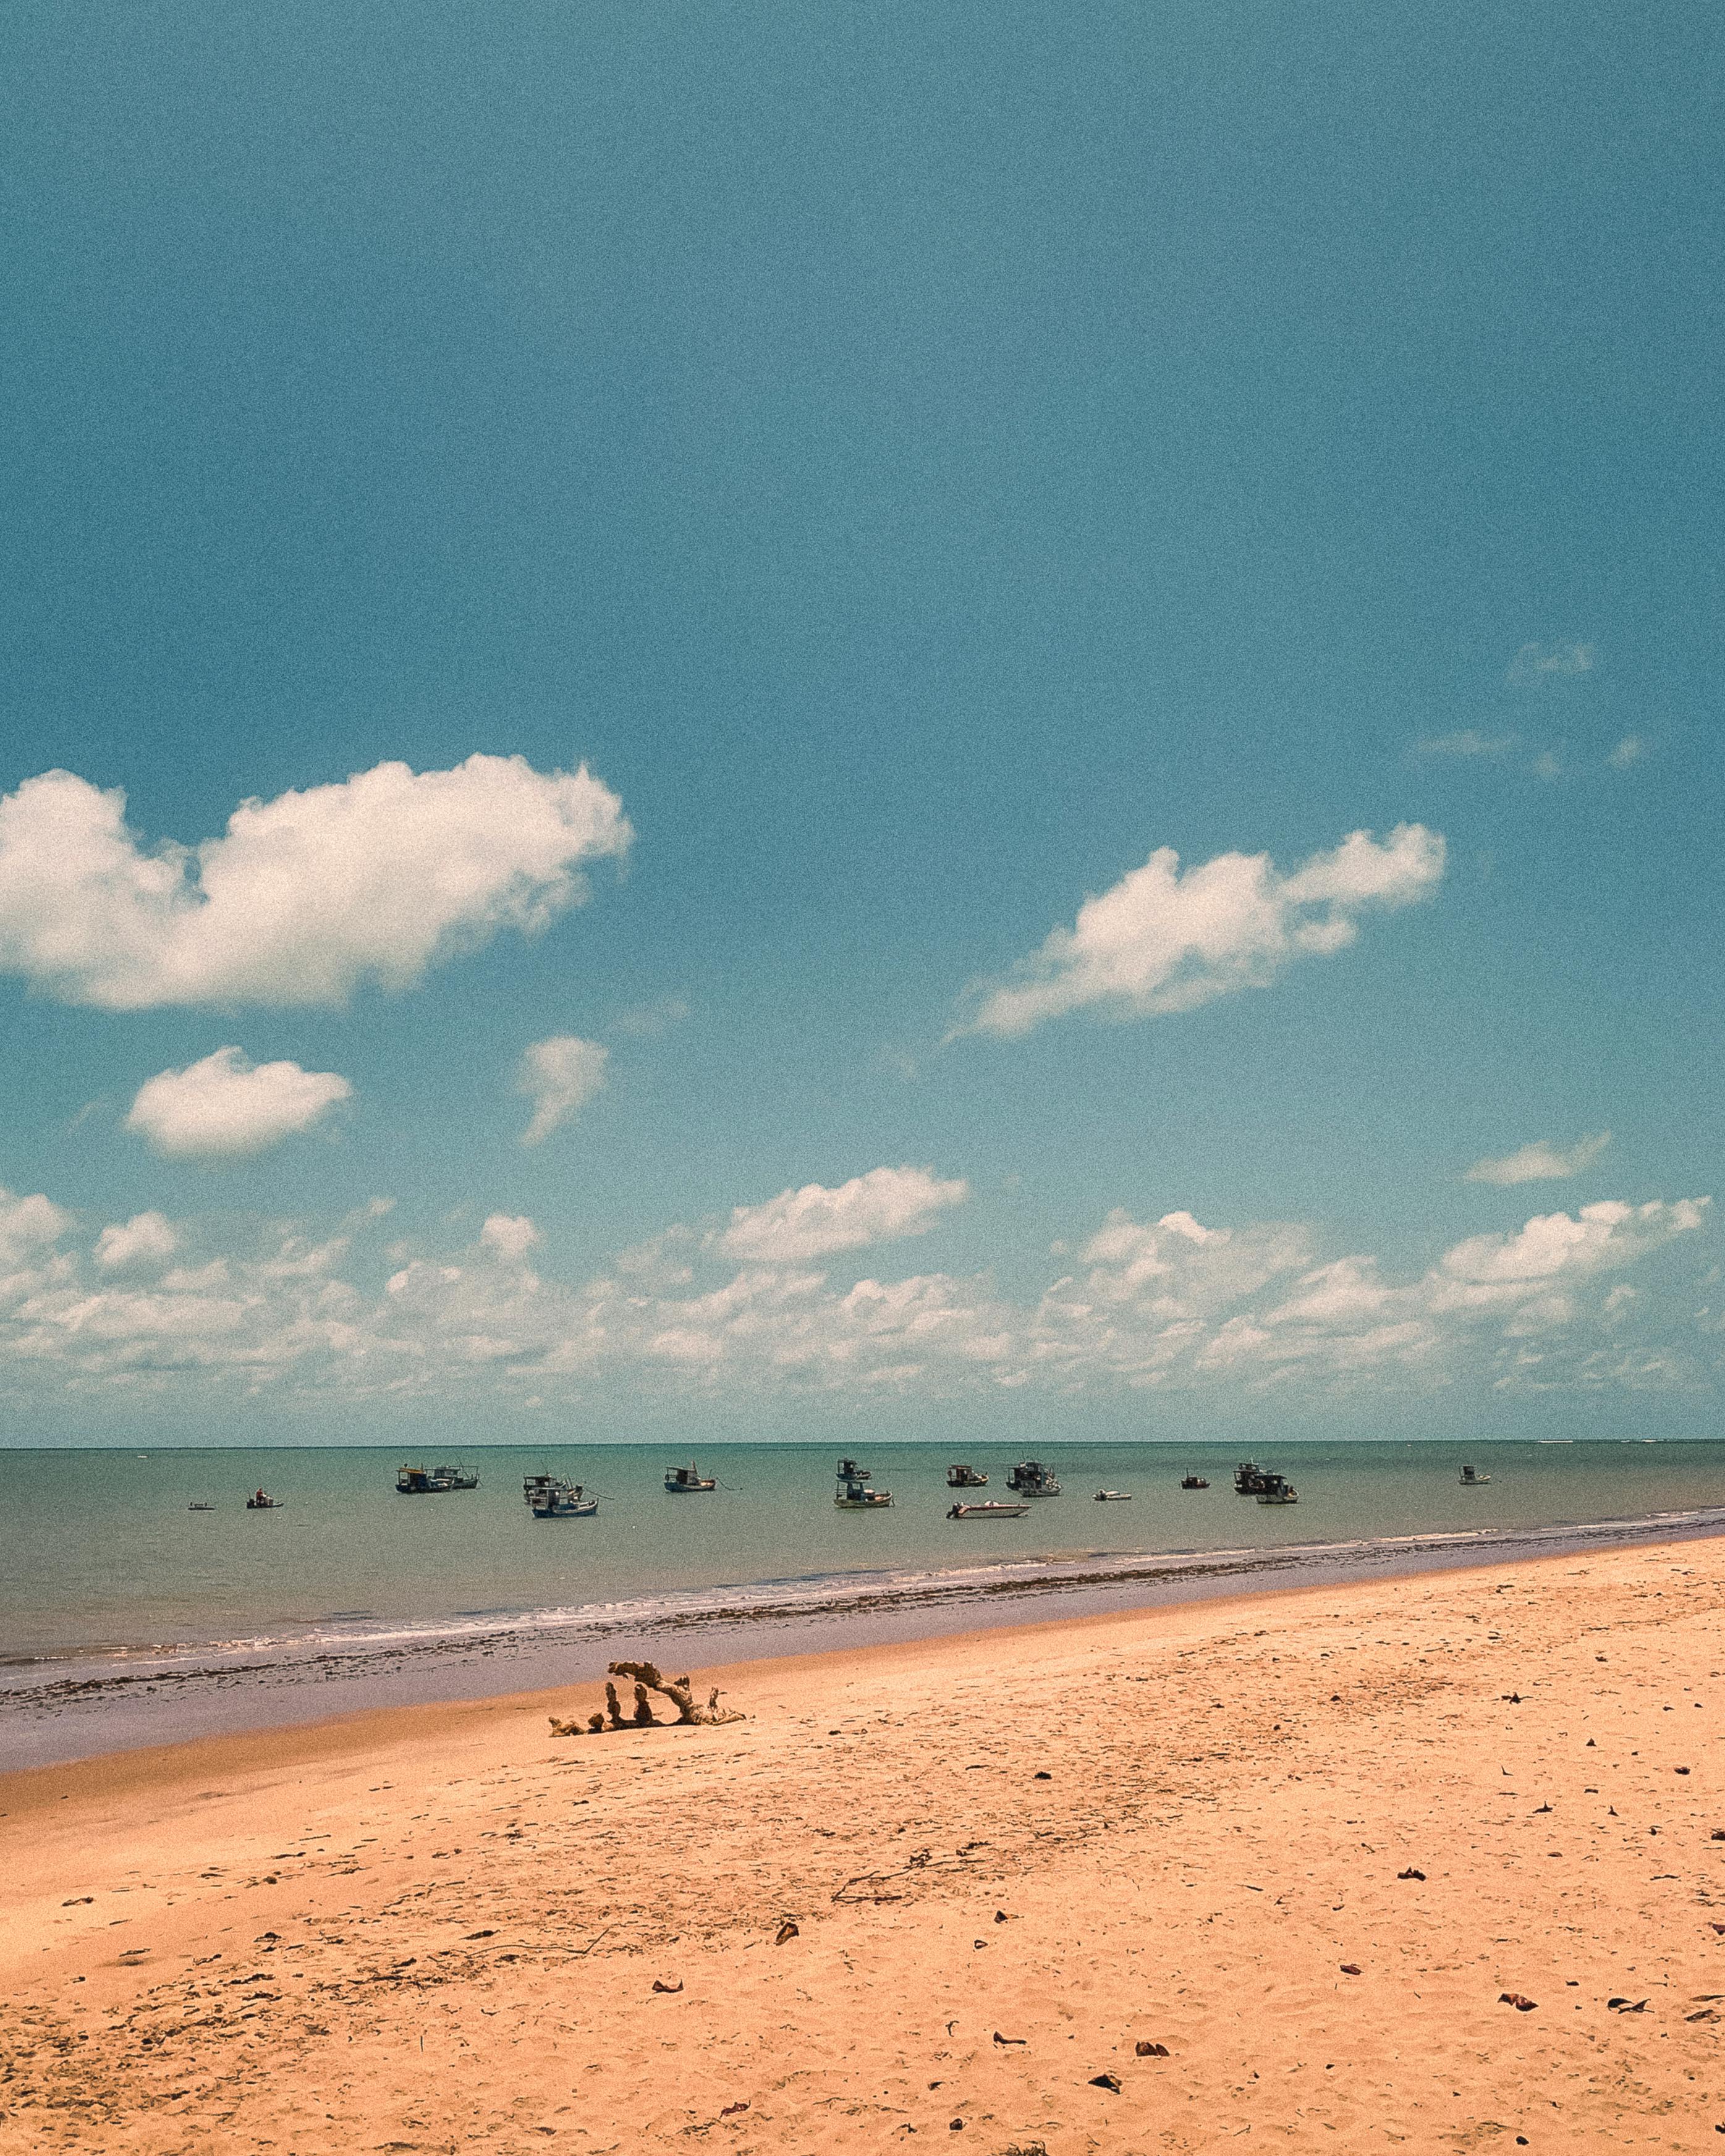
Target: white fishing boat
column 684, row 1481
column 1472, row 1478
column 1113, row 1497
column 262, row 1501
column 961, row 1477
column 1277, row 1489
column 854, row 1494
column 553, row 1497
column 434, row 1482
column 1030, row 1478
column 991, row 1508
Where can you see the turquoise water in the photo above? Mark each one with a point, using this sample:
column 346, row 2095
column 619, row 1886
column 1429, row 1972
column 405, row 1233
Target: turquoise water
column 98, row 1552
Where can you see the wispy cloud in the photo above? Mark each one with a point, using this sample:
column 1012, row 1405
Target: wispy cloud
column 1469, row 742
column 1534, row 660
column 1541, row 1162
column 559, row 1077
column 1160, row 942
column 1629, row 749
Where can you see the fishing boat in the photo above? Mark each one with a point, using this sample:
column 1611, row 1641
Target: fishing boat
column 1113, row 1497
column 1472, row 1479
column 991, row 1508
column 1030, row 1478
column 1251, row 1480
column 1277, row 1489
column 684, row 1481
column 434, row 1482
column 966, row 1478
column 854, row 1494
column 262, row 1501
column 1194, row 1482
column 200, row 1505
column 551, row 1497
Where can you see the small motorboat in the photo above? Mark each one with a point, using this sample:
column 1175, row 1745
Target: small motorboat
column 966, row 1478
column 1113, row 1497
column 1472, row 1479
column 1030, row 1478
column 552, row 1497
column 853, row 1493
column 434, row 1482
column 202, row 1505
column 1194, row 1482
column 991, row 1509
column 1277, row 1489
column 261, row 1501
column 686, row 1481
column 1250, row 1479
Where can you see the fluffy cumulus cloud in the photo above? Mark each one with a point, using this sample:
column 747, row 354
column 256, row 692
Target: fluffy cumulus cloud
column 816, row 1221
column 304, row 897
column 147, row 1240
column 225, row 1108
column 1173, row 1304
column 1160, row 940
column 1541, row 1162
column 559, row 1077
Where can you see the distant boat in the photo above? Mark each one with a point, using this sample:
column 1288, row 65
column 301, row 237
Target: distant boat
column 551, row 1497
column 1276, row 1489
column 683, row 1481
column 966, row 1478
column 1030, row 1478
column 1252, row 1480
column 434, row 1482
column 1194, row 1482
column 992, row 1509
column 262, row 1502
column 1472, row 1479
column 1113, row 1497
column 853, row 1493
column 204, row 1505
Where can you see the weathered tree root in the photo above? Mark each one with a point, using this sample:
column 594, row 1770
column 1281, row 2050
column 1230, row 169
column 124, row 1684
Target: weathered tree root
column 647, row 1678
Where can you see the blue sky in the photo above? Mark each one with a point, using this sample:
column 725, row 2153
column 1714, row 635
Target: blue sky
column 922, row 460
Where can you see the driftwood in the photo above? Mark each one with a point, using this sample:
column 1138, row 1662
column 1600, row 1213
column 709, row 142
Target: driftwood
column 648, row 1678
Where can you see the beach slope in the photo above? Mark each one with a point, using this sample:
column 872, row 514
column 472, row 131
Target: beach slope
column 1315, row 1850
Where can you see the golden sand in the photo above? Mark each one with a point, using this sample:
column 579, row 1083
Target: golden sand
column 1305, row 1843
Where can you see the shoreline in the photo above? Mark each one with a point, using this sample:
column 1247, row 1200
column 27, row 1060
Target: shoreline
column 1284, row 1862
column 80, row 1706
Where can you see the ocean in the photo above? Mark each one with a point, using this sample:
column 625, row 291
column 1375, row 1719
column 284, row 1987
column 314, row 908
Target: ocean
column 126, row 1619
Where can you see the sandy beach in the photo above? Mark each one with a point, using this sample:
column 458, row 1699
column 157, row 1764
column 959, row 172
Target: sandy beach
column 1305, row 1843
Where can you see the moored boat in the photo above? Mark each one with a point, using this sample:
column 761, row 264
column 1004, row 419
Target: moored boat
column 684, row 1481
column 991, row 1508
column 1031, row 1478
column 1113, row 1497
column 262, row 1501
column 854, row 1493
column 1277, row 1489
column 1252, row 1480
column 434, row 1482
column 553, row 1497
column 200, row 1505
column 1472, row 1479
column 961, row 1477
column 1194, row 1482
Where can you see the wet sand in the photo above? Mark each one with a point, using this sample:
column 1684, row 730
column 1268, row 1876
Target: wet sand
column 1305, row 1842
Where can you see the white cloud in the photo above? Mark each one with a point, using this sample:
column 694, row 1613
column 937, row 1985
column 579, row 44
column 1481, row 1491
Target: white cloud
column 1533, row 659
column 305, row 897
column 815, row 1222
column 28, row 1225
column 510, row 1236
column 144, row 1241
column 225, row 1108
column 1629, row 749
column 1470, row 742
column 1160, row 942
column 1599, row 1236
column 1541, row 1162
column 559, row 1077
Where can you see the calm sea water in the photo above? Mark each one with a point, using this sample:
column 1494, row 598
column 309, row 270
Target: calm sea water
column 100, row 1557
